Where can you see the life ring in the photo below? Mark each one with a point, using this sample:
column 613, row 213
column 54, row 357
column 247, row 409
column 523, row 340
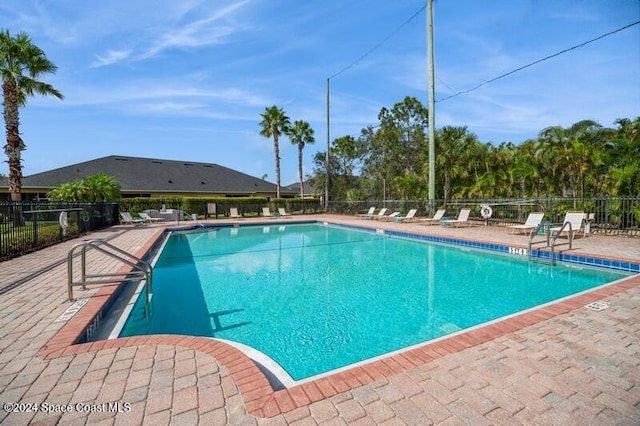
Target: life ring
column 486, row 212
column 63, row 220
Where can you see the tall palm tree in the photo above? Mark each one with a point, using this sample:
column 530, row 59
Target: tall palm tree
column 301, row 134
column 21, row 64
column 453, row 143
column 274, row 123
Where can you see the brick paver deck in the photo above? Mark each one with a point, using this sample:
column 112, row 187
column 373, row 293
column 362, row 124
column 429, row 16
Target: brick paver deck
column 562, row 364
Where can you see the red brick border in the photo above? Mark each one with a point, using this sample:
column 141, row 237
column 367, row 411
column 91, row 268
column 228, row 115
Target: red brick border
column 259, row 397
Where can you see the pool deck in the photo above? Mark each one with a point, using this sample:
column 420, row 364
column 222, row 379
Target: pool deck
column 560, row 364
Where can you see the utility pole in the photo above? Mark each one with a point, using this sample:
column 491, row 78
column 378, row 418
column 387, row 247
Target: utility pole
column 326, row 166
column 432, row 103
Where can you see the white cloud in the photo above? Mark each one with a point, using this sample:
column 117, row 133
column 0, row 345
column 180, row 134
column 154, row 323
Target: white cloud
column 111, row 57
column 202, row 32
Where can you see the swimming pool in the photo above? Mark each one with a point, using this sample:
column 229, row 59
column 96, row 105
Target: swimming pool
column 315, row 298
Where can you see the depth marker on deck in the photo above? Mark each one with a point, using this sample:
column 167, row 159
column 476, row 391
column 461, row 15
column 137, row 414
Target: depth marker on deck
column 72, row 310
column 597, row 306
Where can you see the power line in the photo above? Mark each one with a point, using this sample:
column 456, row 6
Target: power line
column 464, row 92
column 377, row 46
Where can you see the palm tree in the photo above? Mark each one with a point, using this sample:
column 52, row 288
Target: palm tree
column 74, row 191
column 301, row 134
column 624, row 153
column 274, row 123
column 453, row 142
column 21, row 63
column 102, row 187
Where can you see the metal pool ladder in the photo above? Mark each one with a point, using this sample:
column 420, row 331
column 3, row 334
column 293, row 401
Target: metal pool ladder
column 550, row 242
column 141, row 270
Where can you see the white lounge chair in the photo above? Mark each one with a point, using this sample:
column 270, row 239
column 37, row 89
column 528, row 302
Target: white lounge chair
column 266, row 212
column 435, row 219
column 392, row 216
column 576, row 219
column 380, row 213
column 462, row 220
column 369, row 213
column 149, row 219
column 283, row 212
column 408, row 218
column 130, row 220
column 529, row 226
column 233, row 213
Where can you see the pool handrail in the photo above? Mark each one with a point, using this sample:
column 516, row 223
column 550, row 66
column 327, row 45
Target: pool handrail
column 140, row 269
column 550, row 243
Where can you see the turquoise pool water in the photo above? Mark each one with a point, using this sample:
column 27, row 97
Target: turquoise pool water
column 315, row 298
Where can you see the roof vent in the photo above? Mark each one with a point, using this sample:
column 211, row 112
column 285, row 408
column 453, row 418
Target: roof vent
column 170, row 181
column 208, row 165
column 202, row 182
column 188, row 164
column 157, row 162
column 121, row 159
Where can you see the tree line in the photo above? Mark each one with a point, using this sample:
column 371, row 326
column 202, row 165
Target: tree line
column 390, row 161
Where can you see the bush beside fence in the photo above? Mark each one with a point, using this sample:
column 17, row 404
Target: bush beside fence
column 202, row 207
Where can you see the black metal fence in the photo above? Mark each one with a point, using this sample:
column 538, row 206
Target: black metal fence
column 30, row 225
column 26, row 226
column 613, row 215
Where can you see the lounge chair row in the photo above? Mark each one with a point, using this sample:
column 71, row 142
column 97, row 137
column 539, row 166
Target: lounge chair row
column 143, row 218
column 575, row 219
column 461, row 220
column 571, row 224
column 266, row 212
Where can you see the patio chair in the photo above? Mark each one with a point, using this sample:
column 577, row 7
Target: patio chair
column 368, row 214
column 283, row 212
column 149, row 219
column 127, row 219
column 529, row 226
column 410, row 216
column 380, row 213
column 233, row 213
column 576, row 219
column 392, row 216
column 462, row 220
column 266, row 212
column 433, row 220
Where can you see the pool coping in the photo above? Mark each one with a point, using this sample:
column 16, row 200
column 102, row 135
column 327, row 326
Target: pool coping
column 259, row 397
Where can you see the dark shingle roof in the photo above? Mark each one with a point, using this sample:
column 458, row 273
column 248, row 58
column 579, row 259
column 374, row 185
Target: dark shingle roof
column 295, row 187
column 153, row 175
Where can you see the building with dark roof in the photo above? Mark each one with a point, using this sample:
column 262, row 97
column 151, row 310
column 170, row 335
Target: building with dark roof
column 310, row 191
column 149, row 177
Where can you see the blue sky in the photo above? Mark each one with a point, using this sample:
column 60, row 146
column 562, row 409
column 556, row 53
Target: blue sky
column 188, row 79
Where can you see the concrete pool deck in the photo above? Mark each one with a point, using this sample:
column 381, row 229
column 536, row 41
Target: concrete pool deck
column 562, row 364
